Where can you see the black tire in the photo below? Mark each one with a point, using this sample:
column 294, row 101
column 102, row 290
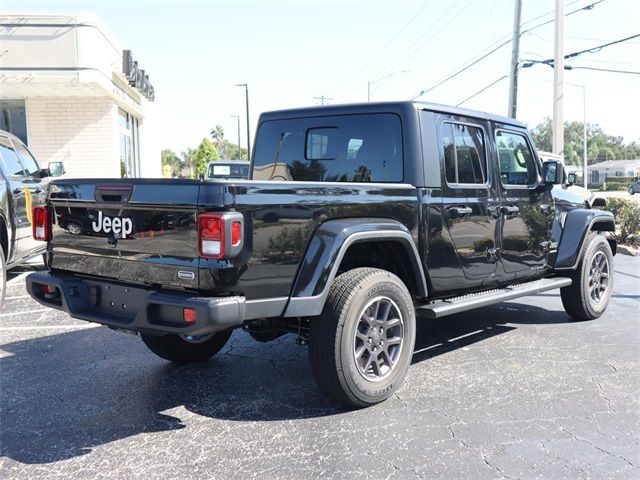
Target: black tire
column 580, row 299
column 179, row 350
column 631, row 191
column 335, row 336
column 3, row 277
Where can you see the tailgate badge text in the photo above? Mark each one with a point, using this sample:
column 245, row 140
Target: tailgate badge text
column 120, row 227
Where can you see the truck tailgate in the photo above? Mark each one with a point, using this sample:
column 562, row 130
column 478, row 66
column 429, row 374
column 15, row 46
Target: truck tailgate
column 142, row 231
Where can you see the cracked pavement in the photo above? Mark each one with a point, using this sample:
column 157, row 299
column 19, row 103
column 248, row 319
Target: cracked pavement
column 512, row 391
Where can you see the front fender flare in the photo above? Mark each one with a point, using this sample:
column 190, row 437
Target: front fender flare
column 577, row 224
column 327, row 247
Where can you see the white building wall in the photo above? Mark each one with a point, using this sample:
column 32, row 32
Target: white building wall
column 79, row 131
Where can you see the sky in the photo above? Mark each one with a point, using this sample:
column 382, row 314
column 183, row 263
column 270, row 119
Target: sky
column 292, row 52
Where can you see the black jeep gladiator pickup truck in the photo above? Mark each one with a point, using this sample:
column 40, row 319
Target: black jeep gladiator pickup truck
column 381, row 213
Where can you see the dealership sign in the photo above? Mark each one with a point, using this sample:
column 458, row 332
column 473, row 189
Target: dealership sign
column 136, row 76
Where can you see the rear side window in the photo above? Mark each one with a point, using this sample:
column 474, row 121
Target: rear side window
column 345, row 148
column 517, row 164
column 464, row 154
column 12, row 165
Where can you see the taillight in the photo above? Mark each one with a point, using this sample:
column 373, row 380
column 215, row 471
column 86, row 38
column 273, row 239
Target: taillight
column 189, row 315
column 40, row 223
column 211, row 235
column 236, row 233
column 220, row 234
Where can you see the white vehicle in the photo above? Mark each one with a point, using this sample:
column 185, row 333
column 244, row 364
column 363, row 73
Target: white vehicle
column 221, row 169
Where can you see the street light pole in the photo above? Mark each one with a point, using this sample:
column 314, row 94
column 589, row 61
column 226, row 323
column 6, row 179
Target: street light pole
column 246, row 93
column 584, row 131
column 371, row 82
column 237, row 117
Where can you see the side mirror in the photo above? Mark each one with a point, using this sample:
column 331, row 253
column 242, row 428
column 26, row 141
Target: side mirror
column 572, row 179
column 56, row 169
column 552, row 173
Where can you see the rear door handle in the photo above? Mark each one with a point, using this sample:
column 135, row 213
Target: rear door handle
column 460, row 211
column 509, row 209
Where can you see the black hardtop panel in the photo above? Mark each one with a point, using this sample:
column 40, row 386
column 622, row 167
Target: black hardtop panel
column 400, row 107
column 465, row 112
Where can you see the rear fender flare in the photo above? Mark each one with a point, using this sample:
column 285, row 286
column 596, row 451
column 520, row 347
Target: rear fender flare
column 577, row 224
column 325, row 251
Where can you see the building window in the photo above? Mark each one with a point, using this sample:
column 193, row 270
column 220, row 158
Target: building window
column 129, row 149
column 13, row 118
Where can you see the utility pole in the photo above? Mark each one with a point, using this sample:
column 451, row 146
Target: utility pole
column 322, row 99
column 515, row 54
column 246, row 93
column 558, row 79
column 237, row 117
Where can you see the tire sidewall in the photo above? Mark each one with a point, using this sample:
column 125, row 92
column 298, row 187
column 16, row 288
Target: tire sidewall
column 367, row 391
column 3, row 277
column 599, row 244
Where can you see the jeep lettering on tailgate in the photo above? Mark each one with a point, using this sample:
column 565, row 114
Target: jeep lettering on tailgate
column 120, row 227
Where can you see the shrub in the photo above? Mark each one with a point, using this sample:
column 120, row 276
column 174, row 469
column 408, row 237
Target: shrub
column 627, row 215
column 618, row 183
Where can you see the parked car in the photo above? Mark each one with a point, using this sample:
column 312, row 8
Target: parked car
column 228, row 169
column 634, row 187
column 23, row 184
column 408, row 208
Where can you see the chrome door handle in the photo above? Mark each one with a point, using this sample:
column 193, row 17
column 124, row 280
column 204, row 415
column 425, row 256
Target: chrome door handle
column 509, row 209
column 461, row 211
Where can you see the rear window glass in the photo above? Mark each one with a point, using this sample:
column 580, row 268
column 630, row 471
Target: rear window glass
column 345, row 148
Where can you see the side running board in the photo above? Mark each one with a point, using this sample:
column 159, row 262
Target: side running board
column 454, row 305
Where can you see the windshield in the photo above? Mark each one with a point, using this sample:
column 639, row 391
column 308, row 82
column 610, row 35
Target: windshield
column 228, row 170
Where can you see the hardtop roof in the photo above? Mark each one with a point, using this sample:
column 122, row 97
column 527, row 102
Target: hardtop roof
column 373, row 107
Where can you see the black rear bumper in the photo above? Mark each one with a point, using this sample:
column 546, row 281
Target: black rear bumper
column 135, row 308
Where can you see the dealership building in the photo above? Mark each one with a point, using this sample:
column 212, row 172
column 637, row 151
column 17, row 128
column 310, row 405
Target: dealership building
column 74, row 94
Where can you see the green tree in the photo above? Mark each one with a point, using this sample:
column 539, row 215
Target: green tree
column 205, row 153
column 189, row 163
column 226, row 149
column 169, row 157
column 600, row 145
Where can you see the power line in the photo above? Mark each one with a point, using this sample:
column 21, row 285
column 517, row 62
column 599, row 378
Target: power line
column 407, row 54
column 492, row 51
column 458, row 72
column 596, row 49
column 393, row 39
column 604, row 70
column 482, row 90
column 323, row 99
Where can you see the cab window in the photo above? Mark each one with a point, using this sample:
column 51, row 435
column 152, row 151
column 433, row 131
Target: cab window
column 517, row 163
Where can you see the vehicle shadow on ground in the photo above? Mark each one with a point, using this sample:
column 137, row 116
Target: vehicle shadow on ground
column 64, row 394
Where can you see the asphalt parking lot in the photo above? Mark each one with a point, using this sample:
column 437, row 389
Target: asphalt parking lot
column 509, row 391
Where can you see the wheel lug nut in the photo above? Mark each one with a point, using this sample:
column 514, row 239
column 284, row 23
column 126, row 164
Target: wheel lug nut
column 369, row 340
column 375, row 348
column 381, row 330
column 381, row 343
